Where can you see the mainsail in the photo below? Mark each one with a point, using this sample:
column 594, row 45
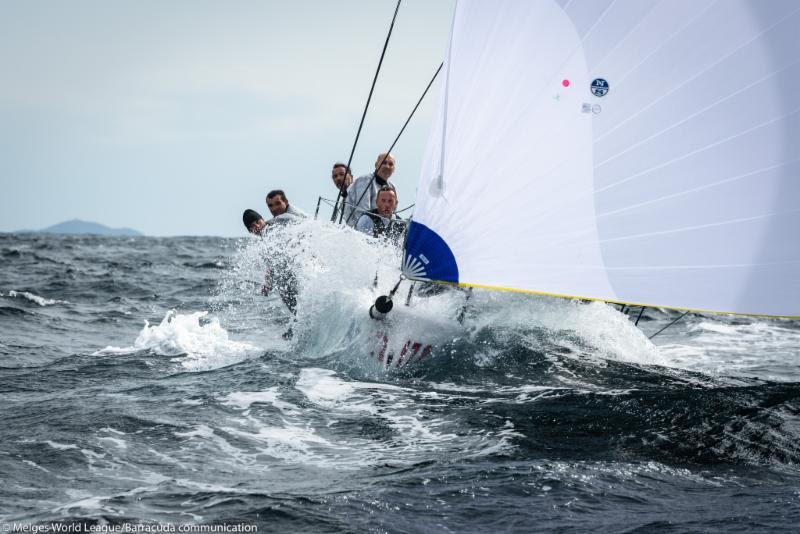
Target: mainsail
column 636, row 151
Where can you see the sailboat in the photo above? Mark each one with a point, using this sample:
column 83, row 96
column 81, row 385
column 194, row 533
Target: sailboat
column 630, row 151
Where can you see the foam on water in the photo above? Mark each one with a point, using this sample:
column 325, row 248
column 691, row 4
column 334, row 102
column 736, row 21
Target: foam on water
column 722, row 346
column 61, row 446
column 201, row 345
column 36, row 299
column 244, row 399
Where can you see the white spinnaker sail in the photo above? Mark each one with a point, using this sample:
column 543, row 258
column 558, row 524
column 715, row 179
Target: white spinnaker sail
column 638, row 151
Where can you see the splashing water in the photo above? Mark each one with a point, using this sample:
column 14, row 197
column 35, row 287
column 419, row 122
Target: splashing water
column 201, row 344
column 337, row 270
column 535, row 411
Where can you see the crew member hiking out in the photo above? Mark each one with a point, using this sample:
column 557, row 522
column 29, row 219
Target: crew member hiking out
column 279, row 273
column 342, row 179
column 280, row 209
column 382, row 222
column 363, row 194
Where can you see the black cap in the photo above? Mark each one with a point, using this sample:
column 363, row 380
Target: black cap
column 249, row 217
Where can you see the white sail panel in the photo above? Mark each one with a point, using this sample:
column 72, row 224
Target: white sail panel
column 624, row 150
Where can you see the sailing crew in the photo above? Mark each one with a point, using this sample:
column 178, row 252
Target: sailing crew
column 279, row 274
column 280, row 209
column 254, row 222
column 363, row 193
column 382, row 222
column 342, row 177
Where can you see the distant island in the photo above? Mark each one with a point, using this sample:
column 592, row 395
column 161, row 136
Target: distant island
column 76, row 226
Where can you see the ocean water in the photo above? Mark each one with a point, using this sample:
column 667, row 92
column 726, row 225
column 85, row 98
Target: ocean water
column 146, row 381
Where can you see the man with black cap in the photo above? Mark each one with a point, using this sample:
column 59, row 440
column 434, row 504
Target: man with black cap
column 253, row 221
column 279, row 276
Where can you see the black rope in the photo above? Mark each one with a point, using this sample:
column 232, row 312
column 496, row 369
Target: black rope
column 316, row 212
column 366, row 107
column 640, row 316
column 670, row 324
column 396, row 286
column 463, row 311
column 410, row 292
column 330, row 202
column 396, row 139
column 404, row 209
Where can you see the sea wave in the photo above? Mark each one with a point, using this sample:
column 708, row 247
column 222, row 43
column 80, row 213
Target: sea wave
column 199, row 343
column 30, row 297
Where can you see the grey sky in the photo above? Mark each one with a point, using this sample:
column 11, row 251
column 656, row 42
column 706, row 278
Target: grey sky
column 172, row 117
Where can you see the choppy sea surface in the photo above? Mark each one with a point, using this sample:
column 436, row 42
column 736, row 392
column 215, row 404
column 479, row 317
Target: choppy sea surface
column 147, row 381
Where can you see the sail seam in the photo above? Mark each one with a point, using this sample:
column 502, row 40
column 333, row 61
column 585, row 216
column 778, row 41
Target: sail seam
column 700, row 188
column 700, row 226
column 693, row 115
column 691, row 78
column 695, row 152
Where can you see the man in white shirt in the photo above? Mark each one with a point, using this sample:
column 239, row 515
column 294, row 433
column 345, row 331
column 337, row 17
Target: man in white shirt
column 363, row 194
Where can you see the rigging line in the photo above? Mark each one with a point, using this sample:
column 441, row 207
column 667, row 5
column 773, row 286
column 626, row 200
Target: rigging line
column 410, row 293
column 640, row 316
column 366, row 106
column 405, row 209
column 396, row 139
column 330, row 202
column 462, row 313
column 316, row 212
column 684, row 314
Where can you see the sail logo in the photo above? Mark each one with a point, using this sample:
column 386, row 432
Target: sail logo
column 414, row 269
column 427, row 256
column 599, row 87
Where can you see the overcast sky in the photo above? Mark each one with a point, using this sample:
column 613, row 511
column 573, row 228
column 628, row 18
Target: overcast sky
column 171, row 117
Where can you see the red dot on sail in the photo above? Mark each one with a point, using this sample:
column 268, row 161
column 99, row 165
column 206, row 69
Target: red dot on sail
column 565, row 83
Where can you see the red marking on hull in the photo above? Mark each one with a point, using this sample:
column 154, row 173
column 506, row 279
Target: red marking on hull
column 382, row 353
column 414, row 349
column 425, row 352
column 409, row 353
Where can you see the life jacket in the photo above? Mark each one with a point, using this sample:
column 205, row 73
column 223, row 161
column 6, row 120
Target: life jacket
column 392, row 230
column 360, row 198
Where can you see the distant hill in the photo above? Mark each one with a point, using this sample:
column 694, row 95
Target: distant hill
column 76, row 226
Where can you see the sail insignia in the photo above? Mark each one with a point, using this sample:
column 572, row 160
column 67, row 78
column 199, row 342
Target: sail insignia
column 427, row 256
